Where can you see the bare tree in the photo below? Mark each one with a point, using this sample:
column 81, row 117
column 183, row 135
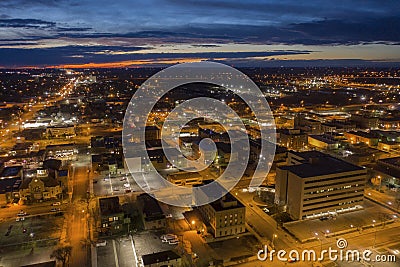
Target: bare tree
column 62, row 254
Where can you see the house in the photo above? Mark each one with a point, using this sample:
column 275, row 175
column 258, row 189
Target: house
column 110, row 162
column 162, row 259
column 9, row 190
column 111, row 215
column 152, row 214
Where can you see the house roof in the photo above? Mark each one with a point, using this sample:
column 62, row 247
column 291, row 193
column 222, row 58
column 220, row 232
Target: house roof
column 159, row 257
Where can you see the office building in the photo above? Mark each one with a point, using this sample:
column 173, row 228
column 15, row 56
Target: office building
column 315, row 184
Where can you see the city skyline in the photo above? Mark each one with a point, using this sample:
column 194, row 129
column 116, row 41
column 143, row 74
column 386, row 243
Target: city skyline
column 256, row 33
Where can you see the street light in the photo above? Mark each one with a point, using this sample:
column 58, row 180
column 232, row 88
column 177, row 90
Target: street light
column 373, row 246
column 380, row 182
column 273, row 239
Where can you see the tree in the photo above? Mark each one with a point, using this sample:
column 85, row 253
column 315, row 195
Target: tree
column 62, row 254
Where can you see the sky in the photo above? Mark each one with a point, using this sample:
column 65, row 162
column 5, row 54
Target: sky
column 130, row 33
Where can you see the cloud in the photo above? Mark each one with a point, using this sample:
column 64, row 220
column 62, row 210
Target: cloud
column 369, row 30
column 205, row 45
column 26, row 23
column 124, row 25
column 12, row 57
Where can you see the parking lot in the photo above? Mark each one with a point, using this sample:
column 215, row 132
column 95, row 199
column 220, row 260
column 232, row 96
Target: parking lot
column 105, row 185
column 120, row 251
column 372, row 215
column 30, row 229
column 116, row 252
column 150, row 242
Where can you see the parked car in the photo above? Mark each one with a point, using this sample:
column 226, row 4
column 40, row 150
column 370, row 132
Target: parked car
column 101, row 243
column 167, row 237
column 21, row 213
column 173, row 242
column 56, row 204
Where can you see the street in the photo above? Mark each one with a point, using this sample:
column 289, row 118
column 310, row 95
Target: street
column 78, row 217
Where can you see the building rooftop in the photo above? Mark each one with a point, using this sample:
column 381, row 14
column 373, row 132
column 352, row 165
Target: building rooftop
column 364, row 134
column 293, row 132
column 48, row 182
column 323, row 138
column 9, row 185
column 318, row 166
column 151, row 208
column 162, row 256
column 227, row 202
column 109, row 205
column 307, row 155
column 184, row 175
column 65, row 146
column 53, row 164
column 392, row 161
column 10, row 171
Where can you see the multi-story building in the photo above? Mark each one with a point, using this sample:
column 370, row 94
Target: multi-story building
column 315, row 184
column 111, row 214
column 391, row 166
column 221, row 157
column 185, row 178
column 293, row 139
column 255, row 152
column 355, row 137
column 364, row 121
column 61, row 131
column 389, row 123
column 226, row 216
column 152, row 132
column 322, row 142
